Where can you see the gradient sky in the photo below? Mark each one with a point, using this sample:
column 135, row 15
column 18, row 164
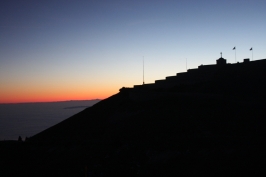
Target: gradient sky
column 76, row 49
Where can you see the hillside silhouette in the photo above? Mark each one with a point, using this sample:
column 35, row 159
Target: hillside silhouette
column 209, row 123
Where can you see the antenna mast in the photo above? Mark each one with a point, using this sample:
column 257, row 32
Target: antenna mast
column 143, row 68
column 186, row 64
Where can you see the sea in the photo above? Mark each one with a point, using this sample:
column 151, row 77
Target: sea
column 28, row 119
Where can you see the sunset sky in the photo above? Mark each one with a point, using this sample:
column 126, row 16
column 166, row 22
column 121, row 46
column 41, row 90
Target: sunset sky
column 87, row 49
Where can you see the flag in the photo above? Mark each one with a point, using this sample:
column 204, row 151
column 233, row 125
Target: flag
column 234, row 48
column 251, row 48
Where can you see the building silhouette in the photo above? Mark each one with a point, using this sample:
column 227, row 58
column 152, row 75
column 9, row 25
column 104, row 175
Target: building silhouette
column 219, row 74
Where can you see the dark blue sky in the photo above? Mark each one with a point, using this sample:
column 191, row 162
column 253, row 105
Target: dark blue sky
column 92, row 48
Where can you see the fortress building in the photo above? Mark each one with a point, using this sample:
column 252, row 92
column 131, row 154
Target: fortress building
column 221, row 74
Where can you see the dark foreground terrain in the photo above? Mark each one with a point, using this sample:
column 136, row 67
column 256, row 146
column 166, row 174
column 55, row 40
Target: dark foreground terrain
column 164, row 137
column 211, row 129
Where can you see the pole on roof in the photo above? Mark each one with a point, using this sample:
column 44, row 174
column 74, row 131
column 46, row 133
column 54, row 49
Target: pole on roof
column 235, row 53
column 251, row 49
column 252, row 54
column 186, row 64
column 143, row 69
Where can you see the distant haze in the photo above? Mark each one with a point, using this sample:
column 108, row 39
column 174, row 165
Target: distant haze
column 28, row 119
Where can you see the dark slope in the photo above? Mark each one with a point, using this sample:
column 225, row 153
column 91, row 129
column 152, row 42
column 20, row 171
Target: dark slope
column 182, row 135
column 190, row 115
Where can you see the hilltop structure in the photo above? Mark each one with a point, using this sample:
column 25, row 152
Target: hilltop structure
column 220, row 72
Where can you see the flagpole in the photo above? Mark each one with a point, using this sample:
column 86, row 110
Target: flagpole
column 235, row 55
column 143, row 69
column 235, row 52
column 252, row 54
column 186, row 64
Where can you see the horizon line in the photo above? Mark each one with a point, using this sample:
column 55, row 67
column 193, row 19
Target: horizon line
column 47, row 101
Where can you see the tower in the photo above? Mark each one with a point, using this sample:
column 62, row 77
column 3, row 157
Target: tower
column 221, row 61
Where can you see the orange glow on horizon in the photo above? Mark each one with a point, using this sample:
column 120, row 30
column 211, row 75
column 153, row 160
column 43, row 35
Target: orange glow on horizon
column 50, row 99
column 32, row 100
column 55, row 91
column 53, row 97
